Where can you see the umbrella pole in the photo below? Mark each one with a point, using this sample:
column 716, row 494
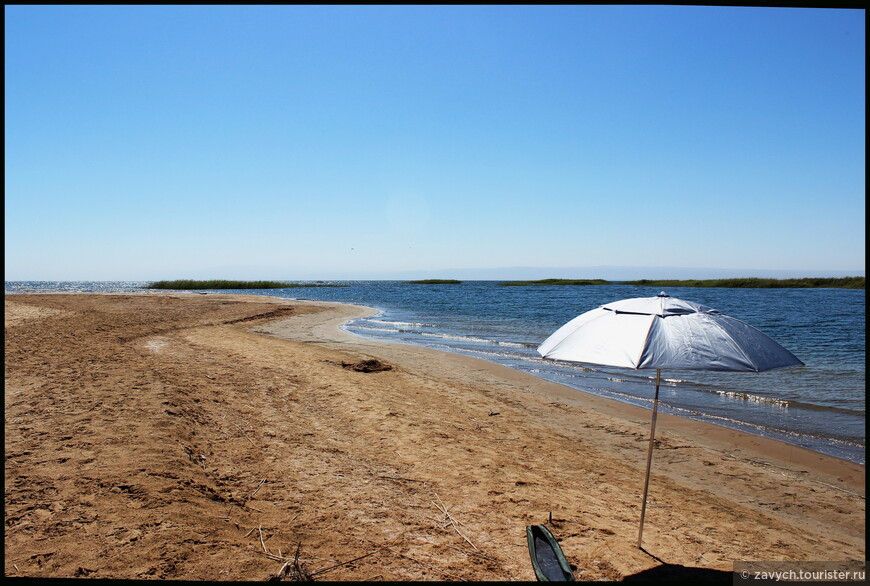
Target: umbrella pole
column 652, row 433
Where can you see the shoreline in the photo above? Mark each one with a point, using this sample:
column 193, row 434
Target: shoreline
column 780, row 447
column 825, row 446
column 207, row 437
column 721, row 436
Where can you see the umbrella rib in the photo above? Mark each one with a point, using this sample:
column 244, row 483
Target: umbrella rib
column 646, row 341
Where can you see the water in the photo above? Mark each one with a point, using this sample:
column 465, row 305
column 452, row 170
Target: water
column 819, row 406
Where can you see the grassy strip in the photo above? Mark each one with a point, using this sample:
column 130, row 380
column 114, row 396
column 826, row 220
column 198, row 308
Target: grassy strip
column 756, row 283
column 556, row 282
column 187, row 284
column 435, row 282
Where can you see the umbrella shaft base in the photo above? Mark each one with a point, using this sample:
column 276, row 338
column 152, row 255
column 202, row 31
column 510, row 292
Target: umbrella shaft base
column 649, row 453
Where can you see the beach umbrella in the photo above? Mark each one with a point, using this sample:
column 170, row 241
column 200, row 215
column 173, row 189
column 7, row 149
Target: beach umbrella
column 664, row 332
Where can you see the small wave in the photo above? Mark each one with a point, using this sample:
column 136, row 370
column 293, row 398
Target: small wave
column 517, row 344
column 359, row 327
column 475, row 340
column 749, row 398
column 402, row 323
column 766, row 429
column 459, row 338
column 566, row 370
column 494, row 353
column 779, row 402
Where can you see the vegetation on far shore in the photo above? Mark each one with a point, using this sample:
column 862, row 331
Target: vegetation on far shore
column 757, row 283
column 185, row 284
column 748, row 282
column 556, row 282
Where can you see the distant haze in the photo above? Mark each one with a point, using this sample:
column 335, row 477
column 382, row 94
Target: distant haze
column 609, row 273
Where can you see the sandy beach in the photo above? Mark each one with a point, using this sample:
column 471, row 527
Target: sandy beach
column 231, row 437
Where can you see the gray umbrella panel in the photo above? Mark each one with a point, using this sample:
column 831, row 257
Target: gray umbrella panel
column 712, row 341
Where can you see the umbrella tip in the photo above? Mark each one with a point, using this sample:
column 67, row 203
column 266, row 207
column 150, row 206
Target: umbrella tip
column 662, row 294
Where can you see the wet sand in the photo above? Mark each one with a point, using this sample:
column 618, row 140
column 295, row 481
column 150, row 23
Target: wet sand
column 218, row 437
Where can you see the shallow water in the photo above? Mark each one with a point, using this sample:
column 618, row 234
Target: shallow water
column 819, row 406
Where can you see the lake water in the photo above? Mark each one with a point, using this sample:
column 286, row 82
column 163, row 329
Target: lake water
column 819, row 406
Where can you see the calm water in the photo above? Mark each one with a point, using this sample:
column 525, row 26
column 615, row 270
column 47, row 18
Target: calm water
column 819, row 406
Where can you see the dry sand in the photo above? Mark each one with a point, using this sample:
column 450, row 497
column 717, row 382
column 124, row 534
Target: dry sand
column 217, row 437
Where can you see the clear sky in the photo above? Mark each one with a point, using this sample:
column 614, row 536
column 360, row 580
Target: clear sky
column 327, row 142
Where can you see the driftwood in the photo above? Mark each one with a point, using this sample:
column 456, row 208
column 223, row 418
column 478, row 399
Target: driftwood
column 262, row 482
column 296, row 570
column 440, row 505
column 315, row 573
column 246, row 435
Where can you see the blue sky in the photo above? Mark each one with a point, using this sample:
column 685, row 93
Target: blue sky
column 363, row 142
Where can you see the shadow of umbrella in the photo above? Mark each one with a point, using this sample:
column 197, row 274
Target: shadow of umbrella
column 676, row 572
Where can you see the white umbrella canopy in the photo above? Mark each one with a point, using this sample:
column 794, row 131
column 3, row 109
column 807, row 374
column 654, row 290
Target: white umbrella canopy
column 664, row 332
